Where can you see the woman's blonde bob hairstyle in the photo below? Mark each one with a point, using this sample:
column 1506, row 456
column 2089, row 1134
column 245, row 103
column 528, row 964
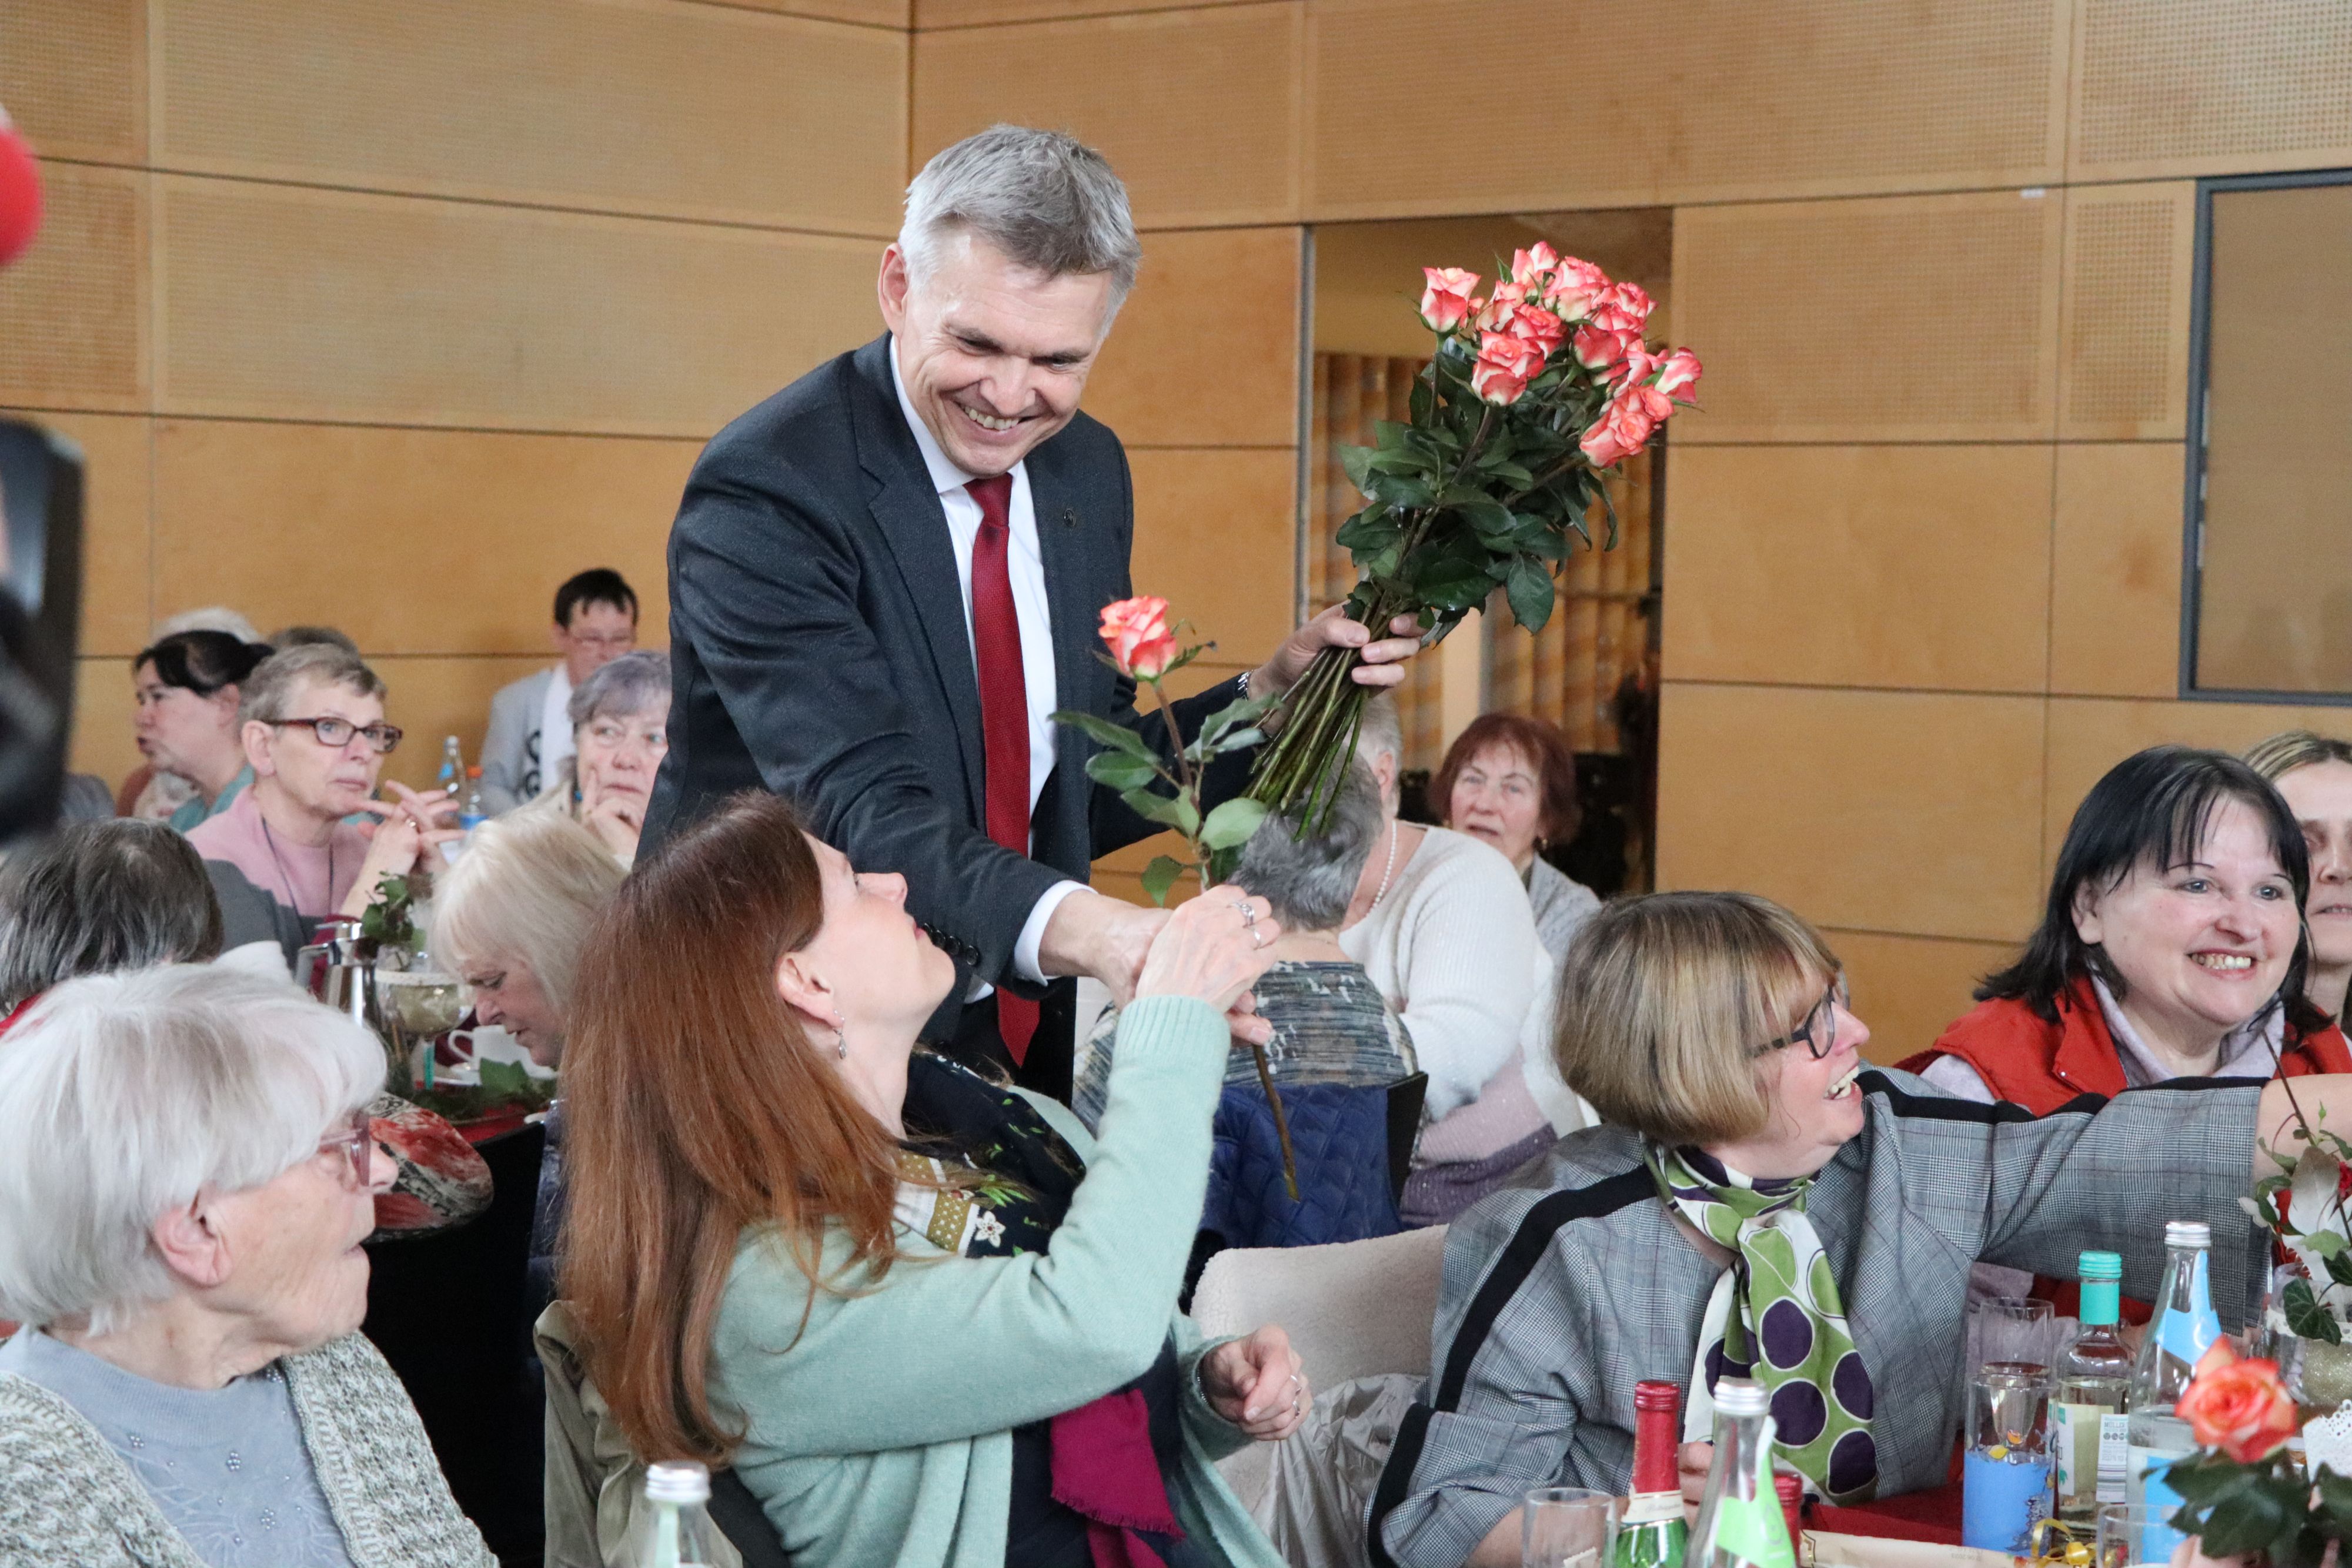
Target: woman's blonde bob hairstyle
column 1663, row 1000
column 527, row 887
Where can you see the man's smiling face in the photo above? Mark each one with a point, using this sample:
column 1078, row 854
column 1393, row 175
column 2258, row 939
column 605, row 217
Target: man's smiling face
column 994, row 354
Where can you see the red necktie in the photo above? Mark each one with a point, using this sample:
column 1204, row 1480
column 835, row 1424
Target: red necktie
column 1003, row 712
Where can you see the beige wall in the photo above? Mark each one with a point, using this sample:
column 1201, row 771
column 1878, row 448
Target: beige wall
column 1923, row 546
column 370, row 315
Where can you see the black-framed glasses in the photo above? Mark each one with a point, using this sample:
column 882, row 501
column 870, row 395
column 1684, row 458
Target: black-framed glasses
column 338, row 732
column 355, row 1141
column 1817, row 1033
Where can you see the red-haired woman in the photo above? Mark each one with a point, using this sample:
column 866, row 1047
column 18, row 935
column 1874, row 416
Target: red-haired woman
column 928, row 1319
column 1511, row 780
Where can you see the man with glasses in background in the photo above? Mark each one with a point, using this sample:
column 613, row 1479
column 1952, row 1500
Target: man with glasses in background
column 531, row 726
column 282, row 857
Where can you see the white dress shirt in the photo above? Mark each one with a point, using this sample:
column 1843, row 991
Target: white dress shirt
column 1026, row 568
column 555, row 726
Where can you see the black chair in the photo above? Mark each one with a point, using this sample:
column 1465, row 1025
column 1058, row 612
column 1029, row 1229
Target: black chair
column 452, row 1313
column 744, row 1523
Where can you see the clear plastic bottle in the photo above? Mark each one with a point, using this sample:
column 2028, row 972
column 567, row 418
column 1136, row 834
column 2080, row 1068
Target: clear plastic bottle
column 453, row 766
column 2184, row 1328
column 669, row 1527
column 470, row 813
column 1740, row 1524
column 2089, row 1433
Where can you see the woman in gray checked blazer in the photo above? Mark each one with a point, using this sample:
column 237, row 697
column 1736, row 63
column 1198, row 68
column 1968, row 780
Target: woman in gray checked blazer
column 1712, row 1032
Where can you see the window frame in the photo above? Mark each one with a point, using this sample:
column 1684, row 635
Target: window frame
column 2192, row 533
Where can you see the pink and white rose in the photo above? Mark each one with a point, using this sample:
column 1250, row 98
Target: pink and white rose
column 1446, row 303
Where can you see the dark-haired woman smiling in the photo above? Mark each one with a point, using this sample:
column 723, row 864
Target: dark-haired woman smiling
column 2172, row 946
column 928, row 1320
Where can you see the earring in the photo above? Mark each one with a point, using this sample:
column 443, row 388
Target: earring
column 840, row 1040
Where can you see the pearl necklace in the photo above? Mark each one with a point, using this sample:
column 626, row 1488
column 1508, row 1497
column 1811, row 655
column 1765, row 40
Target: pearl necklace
column 1387, row 871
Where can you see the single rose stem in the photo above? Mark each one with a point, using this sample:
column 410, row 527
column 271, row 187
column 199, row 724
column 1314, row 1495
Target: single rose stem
column 1176, row 739
column 1281, row 1121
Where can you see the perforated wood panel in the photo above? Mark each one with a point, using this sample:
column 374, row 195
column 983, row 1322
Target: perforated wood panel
column 647, row 106
column 1926, row 317
column 1908, row 988
column 1468, row 108
column 2122, row 367
column 73, row 75
column 1197, row 356
column 117, row 493
column 2087, row 736
column 1871, row 811
column 2211, row 86
column 311, row 304
column 2114, row 569
column 523, row 512
column 1937, row 560
column 982, row 13
column 1198, row 110
column 72, row 308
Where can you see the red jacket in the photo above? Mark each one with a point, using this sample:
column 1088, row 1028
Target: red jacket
column 2029, row 1061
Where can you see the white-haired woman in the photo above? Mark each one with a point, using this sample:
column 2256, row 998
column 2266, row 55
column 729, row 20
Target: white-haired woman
column 185, row 1176
column 620, row 733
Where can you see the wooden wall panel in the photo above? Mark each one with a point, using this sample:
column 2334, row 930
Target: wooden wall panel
column 935, row 13
column 1197, row 109
column 412, row 541
column 1205, row 351
column 637, row 106
column 402, row 310
column 1214, row 532
column 1908, row 988
column 73, row 75
column 118, row 496
column 103, row 714
column 1907, row 318
column 1420, row 109
column 2123, row 364
column 896, row 14
column 2211, row 87
column 1866, row 811
column 73, row 330
column 2115, row 577
column 433, row 697
column 1859, row 566
column 2089, row 736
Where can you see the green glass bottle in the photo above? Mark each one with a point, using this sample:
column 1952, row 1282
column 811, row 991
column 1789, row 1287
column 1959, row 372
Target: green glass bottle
column 1654, row 1534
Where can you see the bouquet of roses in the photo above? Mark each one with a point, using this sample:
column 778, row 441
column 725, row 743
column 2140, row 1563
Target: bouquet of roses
column 1534, row 392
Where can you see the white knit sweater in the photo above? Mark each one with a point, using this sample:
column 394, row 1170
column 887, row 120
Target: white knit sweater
column 1452, row 945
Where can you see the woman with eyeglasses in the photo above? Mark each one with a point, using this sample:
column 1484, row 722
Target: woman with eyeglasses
column 185, row 1177
column 282, row 857
column 1759, row 1203
column 620, row 733
column 188, row 689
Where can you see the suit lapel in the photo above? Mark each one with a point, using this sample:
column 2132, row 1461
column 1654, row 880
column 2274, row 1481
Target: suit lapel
column 1071, row 602
column 905, row 508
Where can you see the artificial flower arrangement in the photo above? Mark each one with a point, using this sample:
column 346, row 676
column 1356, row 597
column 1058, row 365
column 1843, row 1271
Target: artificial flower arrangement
column 2246, row 1494
column 1144, row 647
column 1533, row 391
column 2306, row 1207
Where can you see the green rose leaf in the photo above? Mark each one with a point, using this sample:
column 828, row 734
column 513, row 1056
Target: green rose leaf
column 1530, row 590
column 2326, row 1243
column 1107, row 733
column 506, row 1080
column 1232, row 824
column 1118, row 770
column 2306, row 1318
column 2339, row 1267
column 1356, row 461
column 1374, row 528
column 1160, row 876
column 1177, row 812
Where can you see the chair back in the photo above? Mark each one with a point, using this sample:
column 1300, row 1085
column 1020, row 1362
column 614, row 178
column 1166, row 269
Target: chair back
column 1351, row 1310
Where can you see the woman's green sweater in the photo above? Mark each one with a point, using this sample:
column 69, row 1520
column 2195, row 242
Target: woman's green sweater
column 878, row 1417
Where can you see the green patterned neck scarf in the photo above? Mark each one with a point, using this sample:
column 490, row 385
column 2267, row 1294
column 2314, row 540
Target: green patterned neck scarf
column 1775, row 1316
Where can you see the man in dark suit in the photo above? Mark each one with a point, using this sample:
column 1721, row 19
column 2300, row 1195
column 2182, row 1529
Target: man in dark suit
column 886, row 578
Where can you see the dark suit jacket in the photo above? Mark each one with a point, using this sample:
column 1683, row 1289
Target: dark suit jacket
column 819, row 649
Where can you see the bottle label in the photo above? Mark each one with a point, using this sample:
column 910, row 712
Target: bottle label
column 2073, row 1447
column 2114, row 1454
column 1649, row 1507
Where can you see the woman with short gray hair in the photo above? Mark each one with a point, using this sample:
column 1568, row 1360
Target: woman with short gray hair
column 620, row 733
column 185, row 1177
column 96, row 897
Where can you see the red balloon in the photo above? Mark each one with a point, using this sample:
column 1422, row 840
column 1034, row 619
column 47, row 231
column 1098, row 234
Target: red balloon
column 20, row 193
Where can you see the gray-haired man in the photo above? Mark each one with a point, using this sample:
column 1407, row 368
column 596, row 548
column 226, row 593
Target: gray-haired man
column 886, row 578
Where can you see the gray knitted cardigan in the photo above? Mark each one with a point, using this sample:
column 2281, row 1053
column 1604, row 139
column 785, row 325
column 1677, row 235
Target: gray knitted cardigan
column 70, row 1498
